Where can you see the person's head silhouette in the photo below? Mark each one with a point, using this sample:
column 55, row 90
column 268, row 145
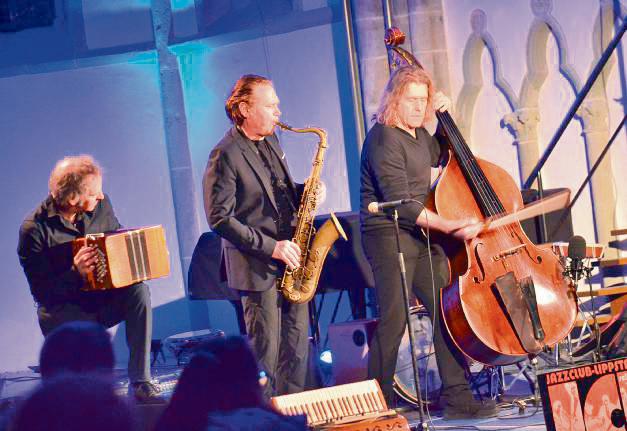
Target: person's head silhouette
column 221, row 376
column 73, row 402
column 78, row 347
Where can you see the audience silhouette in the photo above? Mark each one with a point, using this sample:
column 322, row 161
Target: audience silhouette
column 220, row 389
column 77, row 347
column 75, row 402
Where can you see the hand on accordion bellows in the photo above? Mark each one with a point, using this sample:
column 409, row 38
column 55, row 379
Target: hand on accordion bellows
column 288, row 252
column 85, row 260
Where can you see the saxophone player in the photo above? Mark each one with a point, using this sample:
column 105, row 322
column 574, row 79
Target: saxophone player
column 251, row 201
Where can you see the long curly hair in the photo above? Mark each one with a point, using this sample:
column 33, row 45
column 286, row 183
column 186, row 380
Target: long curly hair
column 397, row 84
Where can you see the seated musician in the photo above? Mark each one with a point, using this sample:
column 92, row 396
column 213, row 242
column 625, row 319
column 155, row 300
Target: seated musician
column 396, row 162
column 77, row 206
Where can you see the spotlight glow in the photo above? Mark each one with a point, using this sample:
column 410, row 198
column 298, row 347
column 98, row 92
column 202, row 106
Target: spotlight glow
column 326, row 357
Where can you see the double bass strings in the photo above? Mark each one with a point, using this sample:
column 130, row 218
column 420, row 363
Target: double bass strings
column 489, row 198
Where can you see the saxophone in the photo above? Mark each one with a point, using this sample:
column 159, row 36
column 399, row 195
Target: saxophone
column 299, row 285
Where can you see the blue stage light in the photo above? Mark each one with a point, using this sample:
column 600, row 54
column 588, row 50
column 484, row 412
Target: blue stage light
column 326, row 357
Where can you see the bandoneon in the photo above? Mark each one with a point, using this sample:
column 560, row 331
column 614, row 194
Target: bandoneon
column 126, row 257
column 354, row 406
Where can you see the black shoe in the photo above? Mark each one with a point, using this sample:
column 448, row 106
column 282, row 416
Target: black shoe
column 145, row 392
column 470, row 409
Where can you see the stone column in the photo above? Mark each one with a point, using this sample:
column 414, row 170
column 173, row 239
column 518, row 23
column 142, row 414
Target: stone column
column 524, row 125
column 594, row 114
column 371, row 52
column 177, row 145
column 428, row 40
column 423, row 23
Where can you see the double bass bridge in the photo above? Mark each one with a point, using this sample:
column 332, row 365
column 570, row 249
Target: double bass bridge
column 508, row 253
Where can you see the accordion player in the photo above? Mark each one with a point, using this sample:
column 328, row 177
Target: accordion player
column 126, row 257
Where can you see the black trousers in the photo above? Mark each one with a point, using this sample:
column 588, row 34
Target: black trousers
column 279, row 335
column 130, row 305
column 381, row 251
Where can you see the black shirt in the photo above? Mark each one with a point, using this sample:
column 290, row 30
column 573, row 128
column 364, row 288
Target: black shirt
column 284, row 198
column 395, row 165
column 45, row 250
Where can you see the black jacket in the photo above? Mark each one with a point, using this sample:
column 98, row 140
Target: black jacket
column 240, row 207
column 45, row 251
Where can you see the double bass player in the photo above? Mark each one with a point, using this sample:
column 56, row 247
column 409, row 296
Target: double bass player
column 396, row 163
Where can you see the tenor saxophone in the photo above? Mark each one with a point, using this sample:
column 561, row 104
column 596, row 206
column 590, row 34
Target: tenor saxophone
column 299, row 285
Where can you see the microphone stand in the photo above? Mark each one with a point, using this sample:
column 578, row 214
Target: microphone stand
column 410, row 330
column 597, row 329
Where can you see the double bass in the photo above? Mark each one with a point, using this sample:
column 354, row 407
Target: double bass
column 508, row 298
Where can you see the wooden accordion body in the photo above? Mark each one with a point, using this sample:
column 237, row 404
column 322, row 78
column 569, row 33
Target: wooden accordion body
column 351, row 407
column 126, row 257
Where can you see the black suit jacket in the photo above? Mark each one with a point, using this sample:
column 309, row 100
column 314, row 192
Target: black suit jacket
column 240, row 207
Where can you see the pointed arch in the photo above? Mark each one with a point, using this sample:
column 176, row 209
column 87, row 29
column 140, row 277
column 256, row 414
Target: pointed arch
column 544, row 26
column 480, row 40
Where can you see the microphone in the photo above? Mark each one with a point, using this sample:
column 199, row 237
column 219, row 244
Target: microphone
column 576, row 255
column 375, row 207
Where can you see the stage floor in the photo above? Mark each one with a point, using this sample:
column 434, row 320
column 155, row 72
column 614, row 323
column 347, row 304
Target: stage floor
column 14, row 386
column 509, row 418
column 518, row 409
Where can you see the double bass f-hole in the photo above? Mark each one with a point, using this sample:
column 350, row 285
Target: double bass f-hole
column 481, row 278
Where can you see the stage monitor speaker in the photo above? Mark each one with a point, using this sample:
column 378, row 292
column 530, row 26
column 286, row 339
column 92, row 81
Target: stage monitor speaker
column 16, row 15
column 349, row 343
